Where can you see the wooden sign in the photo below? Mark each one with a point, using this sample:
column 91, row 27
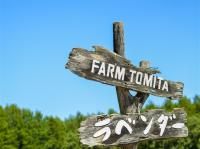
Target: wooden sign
column 106, row 67
column 127, row 130
column 133, row 128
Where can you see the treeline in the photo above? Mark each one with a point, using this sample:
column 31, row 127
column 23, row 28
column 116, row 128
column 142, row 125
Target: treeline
column 23, row 129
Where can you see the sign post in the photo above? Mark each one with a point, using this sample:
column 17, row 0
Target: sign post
column 123, row 94
column 131, row 126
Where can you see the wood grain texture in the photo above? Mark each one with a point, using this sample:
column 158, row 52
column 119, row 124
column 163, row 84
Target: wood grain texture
column 88, row 128
column 127, row 102
column 80, row 63
column 124, row 97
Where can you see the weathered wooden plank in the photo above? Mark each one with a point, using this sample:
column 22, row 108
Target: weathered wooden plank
column 106, row 67
column 127, row 129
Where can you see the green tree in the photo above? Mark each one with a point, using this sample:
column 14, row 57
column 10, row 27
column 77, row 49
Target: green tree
column 23, row 129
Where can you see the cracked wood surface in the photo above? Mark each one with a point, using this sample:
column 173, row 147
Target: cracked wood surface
column 88, row 128
column 80, row 63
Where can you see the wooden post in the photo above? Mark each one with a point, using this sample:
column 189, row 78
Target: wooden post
column 118, row 42
column 127, row 102
column 123, row 95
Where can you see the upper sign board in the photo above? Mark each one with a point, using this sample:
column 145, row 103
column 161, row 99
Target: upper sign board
column 106, row 67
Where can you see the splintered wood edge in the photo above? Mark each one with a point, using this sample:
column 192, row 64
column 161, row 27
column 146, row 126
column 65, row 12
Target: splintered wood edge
column 183, row 132
column 74, row 64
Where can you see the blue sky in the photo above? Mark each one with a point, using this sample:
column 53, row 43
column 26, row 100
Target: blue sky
column 37, row 36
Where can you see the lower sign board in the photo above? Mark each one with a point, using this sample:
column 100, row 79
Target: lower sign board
column 127, row 129
column 109, row 68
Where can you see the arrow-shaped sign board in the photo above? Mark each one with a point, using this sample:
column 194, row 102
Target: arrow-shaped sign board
column 132, row 128
column 106, row 67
